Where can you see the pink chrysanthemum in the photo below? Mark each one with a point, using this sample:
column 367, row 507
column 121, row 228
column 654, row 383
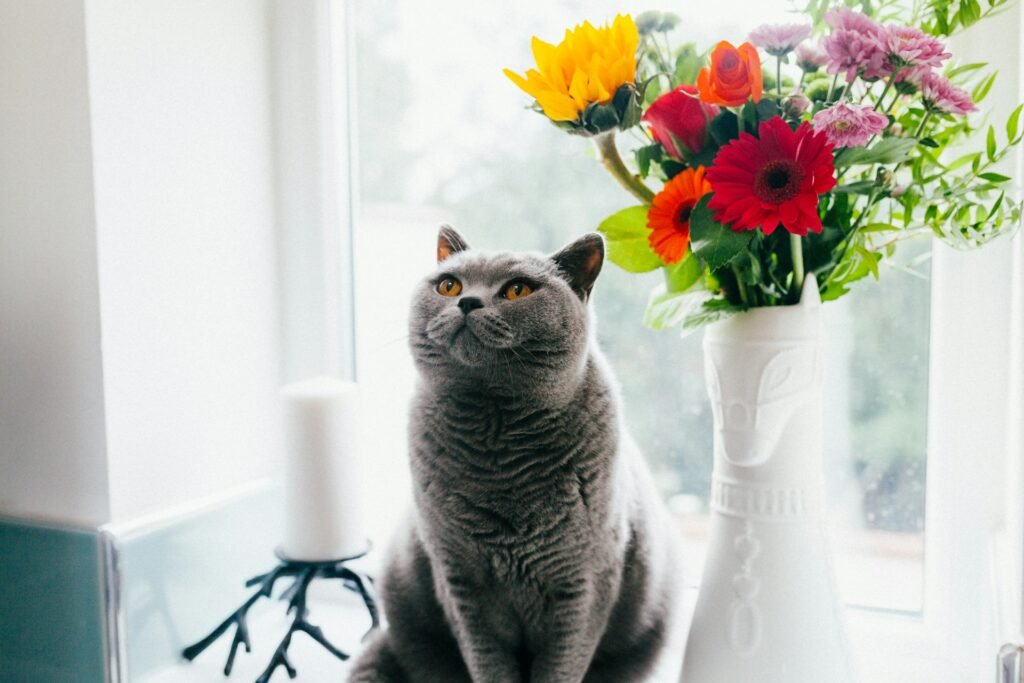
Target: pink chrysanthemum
column 779, row 39
column 810, row 57
column 856, row 46
column 938, row 93
column 849, row 20
column 846, row 125
column 907, row 46
column 914, row 74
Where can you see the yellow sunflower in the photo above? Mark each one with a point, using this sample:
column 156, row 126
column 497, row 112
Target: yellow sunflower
column 588, row 66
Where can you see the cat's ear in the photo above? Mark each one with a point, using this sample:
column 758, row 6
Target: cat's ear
column 580, row 263
column 449, row 242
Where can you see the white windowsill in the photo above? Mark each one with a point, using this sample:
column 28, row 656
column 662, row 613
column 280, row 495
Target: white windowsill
column 344, row 619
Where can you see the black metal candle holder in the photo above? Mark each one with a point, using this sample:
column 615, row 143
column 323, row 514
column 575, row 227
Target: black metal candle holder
column 303, row 574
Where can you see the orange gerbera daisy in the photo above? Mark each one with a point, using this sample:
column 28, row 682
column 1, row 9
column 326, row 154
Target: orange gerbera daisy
column 669, row 215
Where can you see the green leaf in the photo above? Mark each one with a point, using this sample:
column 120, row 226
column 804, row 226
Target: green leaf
column 963, row 161
column 974, row 66
column 645, row 155
column 858, row 187
column 749, row 115
column 981, row 90
column 1013, row 123
column 869, row 259
column 768, row 109
column 710, row 311
column 688, row 64
column 626, row 232
column 885, row 151
column 856, row 264
column 683, row 275
column 969, row 13
column 628, row 106
column 669, row 309
column 879, row 227
column 990, row 144
column 992, row 213
column 712, row 242
column 724, row 127
column 995, row 177
column 651, row 90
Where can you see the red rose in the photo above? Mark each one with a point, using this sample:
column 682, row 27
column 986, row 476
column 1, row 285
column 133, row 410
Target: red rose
column 680, row 116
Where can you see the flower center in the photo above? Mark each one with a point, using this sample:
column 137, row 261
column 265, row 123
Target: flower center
column 683, row 215
column 778, row 181
column 842, row 126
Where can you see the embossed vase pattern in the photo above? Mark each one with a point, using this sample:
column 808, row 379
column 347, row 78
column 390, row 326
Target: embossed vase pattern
column 767, row 610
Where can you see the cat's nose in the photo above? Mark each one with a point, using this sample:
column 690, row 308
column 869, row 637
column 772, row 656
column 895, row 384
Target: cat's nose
column 470, row 303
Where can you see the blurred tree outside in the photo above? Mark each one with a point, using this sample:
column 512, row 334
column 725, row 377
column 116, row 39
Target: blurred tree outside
column 534, row 188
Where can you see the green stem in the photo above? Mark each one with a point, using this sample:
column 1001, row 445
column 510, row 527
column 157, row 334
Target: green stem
column 778, row 77
column 832, row 88
column 848, row 240
column 740, row 284
column 872, row 198
column 895, row 99
column 796, row 247
column 888, row 85
column 741, row 126
column 800, row 85
column 668, row 52
column 610, row 159
column 924, row 120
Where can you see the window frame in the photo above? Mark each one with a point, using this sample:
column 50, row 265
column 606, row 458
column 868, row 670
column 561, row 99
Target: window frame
column 974, row 527
column 981, row 392
column 955, row 637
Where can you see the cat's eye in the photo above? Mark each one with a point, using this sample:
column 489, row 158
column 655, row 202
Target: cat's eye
column 517, row 290
column 449, row 286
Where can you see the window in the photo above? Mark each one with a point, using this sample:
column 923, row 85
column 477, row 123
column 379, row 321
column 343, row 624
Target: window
column 444, row 138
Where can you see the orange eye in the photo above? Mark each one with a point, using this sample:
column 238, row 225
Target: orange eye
column 449, row 286
column 517, row 290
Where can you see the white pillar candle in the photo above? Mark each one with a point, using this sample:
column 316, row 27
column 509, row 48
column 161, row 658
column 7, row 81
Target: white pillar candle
column 323, row 519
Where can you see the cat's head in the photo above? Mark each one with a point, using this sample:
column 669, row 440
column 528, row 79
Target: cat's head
column 504, row 318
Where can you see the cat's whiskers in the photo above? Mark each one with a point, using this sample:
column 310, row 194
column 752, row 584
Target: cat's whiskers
column 519, row 359
column 388, row 342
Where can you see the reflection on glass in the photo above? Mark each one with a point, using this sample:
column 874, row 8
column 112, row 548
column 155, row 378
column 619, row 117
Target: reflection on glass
column 443, row 136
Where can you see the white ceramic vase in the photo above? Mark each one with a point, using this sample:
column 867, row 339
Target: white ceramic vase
column 767, row 610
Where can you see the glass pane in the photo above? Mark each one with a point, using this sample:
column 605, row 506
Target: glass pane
column 876, row 432
column 445, row 137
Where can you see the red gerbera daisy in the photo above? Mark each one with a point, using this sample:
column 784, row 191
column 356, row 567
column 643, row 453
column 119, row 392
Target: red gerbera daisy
column 669, row 215
column 772, row 179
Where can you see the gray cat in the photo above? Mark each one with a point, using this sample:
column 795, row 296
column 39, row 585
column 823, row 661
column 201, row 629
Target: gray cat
column 538, row 549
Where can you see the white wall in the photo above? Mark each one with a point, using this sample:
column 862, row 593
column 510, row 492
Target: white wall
column 139, row 335
column 181, row 124
column 52, row 450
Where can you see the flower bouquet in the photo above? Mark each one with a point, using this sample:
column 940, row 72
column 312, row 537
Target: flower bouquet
column 820, row 164
column 778, row 189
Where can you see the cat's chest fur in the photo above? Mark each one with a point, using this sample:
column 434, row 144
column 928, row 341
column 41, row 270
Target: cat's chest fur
column 523, row 491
